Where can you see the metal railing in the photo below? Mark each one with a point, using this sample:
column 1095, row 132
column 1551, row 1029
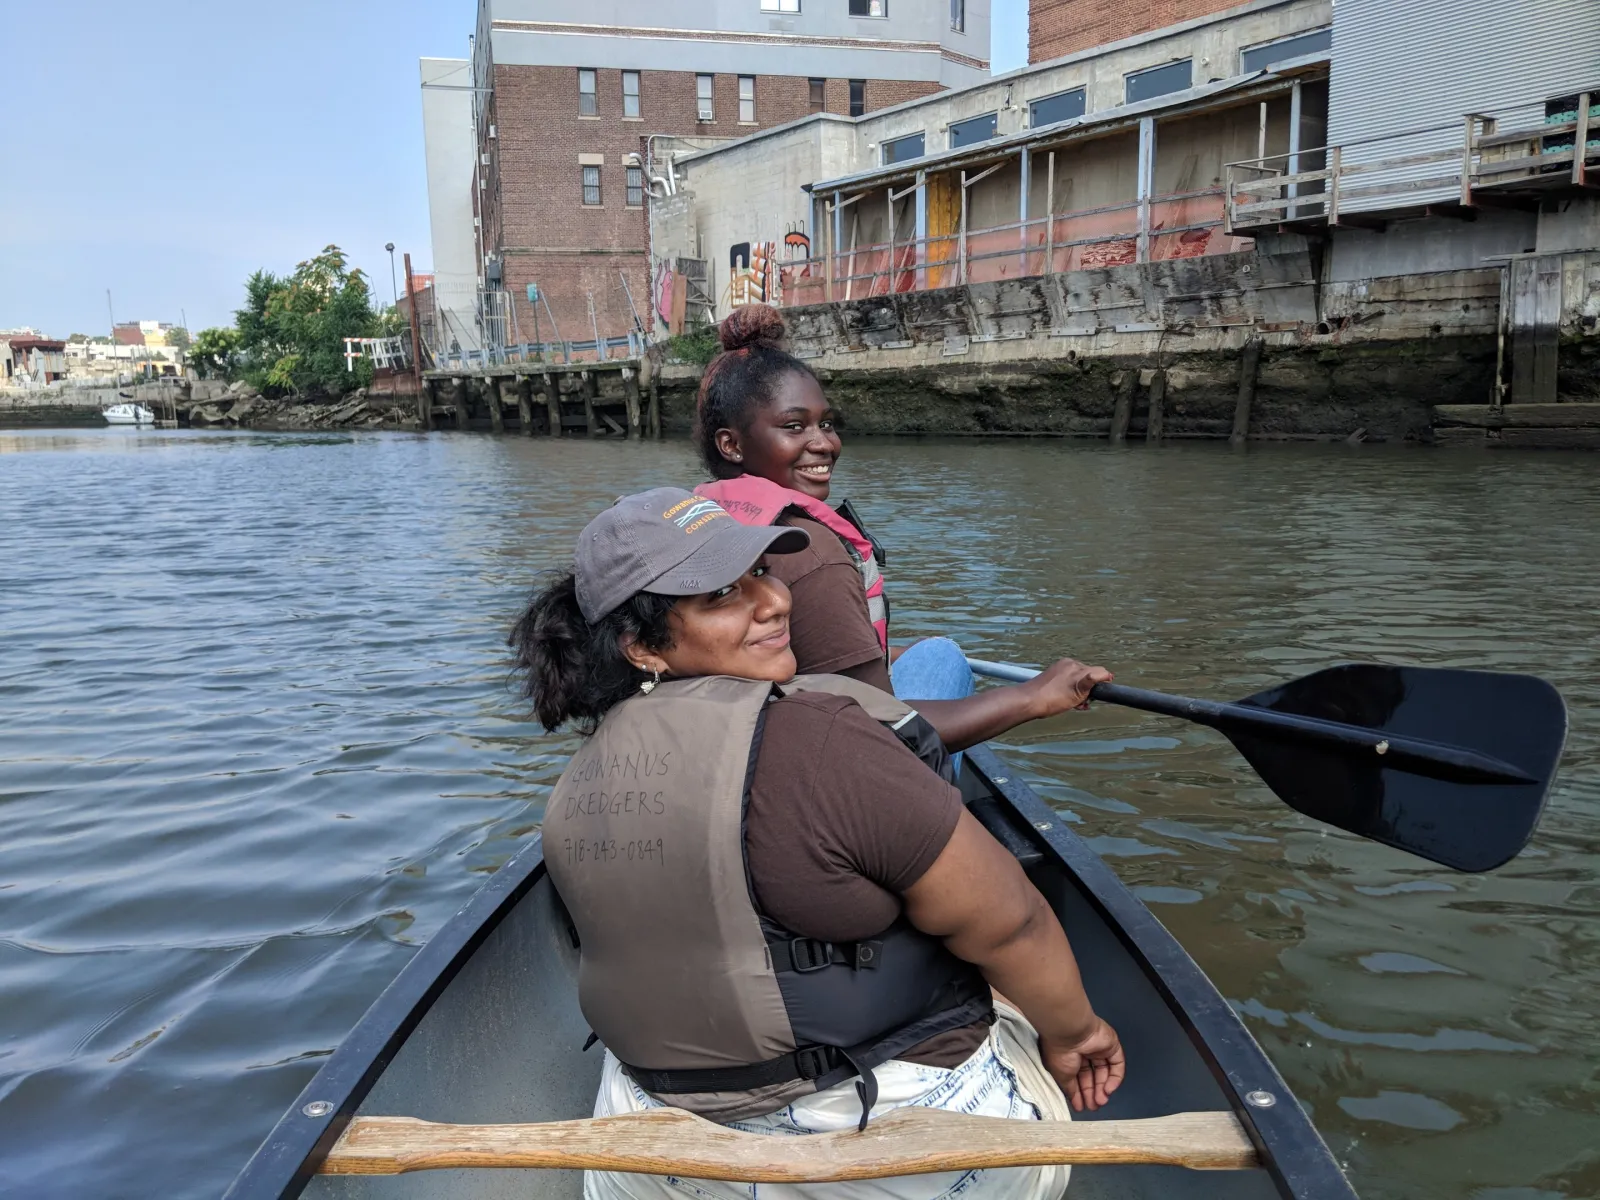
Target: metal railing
column 628, row 346
column 1263, row 191
column 1181, row 225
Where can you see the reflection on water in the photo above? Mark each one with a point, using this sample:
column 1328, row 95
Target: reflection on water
column 256, row 744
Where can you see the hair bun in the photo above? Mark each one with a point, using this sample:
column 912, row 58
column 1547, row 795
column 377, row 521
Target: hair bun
column 751, row 325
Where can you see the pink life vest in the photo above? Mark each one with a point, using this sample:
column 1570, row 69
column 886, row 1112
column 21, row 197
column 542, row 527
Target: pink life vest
column 753, row 500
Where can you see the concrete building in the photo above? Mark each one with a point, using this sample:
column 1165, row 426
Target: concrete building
column 563, row 116
column 30, row 361
column 1315, row 177
column 152, row 334
column 1110, row 155
column 448, row 140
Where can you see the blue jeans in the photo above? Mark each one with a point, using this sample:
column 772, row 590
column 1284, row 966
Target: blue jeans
column 933, row 669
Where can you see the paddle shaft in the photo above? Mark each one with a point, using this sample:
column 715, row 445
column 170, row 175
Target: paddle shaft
column 1437, row 760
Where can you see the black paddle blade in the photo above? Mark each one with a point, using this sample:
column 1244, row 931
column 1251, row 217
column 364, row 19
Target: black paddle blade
column 1519, row 719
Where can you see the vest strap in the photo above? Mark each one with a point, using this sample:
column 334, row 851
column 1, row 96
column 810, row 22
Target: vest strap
column 808, row 1062
column 811, row 954
column 827, row 1065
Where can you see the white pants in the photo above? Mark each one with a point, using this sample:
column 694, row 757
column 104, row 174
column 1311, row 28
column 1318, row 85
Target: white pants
column 1003, row 1078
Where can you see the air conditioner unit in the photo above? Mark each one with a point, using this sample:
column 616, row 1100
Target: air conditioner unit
column 491, row 131
column 485, row 158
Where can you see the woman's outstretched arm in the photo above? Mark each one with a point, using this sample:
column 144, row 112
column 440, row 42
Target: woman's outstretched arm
column 1059, row 688
column 976, row 897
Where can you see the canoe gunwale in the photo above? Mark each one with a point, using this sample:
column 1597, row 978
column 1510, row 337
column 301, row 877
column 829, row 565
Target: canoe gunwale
column 285, row 1162
column 1287, row 1143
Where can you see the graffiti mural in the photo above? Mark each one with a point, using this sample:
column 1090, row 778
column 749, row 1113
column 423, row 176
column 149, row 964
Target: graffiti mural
column 750, row 274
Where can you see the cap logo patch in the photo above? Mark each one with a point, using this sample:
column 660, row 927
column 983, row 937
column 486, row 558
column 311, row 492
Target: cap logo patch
column 694, row 513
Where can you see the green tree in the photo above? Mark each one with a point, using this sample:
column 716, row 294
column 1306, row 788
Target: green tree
column 178, row 338
column 291, row 329
column 215, row 353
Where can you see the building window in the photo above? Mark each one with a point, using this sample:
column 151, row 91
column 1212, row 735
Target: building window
column 869, row 8
column 1158, row 81
column 1259, row 58
column 588, row 101
column 819, row 95
column 780, row 5
column 1063, row 106
column 747, row 99
column 630, row 93
column 635, row 187
column 972, row 131
column 900, row 149
column 958, row 15
column 702, row 91
column 858, row 97
column 591, row 185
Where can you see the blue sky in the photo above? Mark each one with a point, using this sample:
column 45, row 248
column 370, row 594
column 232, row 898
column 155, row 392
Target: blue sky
column 172, row 149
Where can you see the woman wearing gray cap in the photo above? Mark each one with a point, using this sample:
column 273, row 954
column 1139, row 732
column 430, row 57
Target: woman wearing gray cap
column 788, row 922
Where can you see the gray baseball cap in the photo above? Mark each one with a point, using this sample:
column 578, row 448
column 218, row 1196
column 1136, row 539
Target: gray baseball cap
column 670, row 542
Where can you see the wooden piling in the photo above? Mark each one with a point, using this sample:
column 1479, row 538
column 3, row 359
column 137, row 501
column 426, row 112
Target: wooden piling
column 591, row 389
column 655, row 408
column 1249, row 367
column 630, row 394
column 1158, row 408
column 427, row 397
column 493, row 392
column 463, row 399
column 524, row 406
column 1123, row 412
column 552, row 404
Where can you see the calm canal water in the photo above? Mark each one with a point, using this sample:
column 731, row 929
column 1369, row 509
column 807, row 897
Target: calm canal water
column 256, row 744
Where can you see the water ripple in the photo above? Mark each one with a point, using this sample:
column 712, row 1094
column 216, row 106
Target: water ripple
column 257, row 744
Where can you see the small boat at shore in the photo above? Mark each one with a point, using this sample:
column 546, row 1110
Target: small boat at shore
column 483, row 1027
column 129, row 414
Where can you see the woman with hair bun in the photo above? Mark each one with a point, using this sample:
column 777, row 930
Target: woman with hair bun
column 769, row 439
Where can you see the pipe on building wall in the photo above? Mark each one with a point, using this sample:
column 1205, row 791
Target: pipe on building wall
column 1050, row 215
column 1026, row 168
column 1147, row 171
column 1294, row 145
column 922, row 230
column 837, row 238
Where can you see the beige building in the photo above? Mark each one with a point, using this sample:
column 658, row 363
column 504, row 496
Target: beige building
column 1107, row 156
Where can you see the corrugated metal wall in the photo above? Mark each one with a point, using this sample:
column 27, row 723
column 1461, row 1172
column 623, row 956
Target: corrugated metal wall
column 1411, row 64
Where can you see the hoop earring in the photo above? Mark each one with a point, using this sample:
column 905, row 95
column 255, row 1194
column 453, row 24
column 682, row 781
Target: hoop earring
column 649, row 685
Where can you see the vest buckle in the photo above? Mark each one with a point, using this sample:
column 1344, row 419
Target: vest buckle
column 812, row 1061
column 810, row 954
column 867, row 956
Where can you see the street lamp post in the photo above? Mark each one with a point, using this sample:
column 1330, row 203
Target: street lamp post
column 394, row 287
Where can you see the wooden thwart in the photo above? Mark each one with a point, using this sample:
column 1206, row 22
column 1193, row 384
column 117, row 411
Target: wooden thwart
column 907, row 1141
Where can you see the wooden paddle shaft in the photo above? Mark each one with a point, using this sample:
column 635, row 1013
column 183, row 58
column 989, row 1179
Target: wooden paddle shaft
column 907, row 1141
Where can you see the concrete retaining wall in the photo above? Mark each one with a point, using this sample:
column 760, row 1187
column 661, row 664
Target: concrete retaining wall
column 1050, row 354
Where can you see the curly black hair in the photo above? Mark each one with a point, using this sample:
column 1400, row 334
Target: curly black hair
column 741, row 379
column 575, row 670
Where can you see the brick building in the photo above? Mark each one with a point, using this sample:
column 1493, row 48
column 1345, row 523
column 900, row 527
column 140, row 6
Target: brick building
column 1057, row 27
column 564, row 121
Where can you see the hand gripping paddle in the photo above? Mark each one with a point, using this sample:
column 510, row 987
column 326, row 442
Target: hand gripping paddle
column 1453, row 766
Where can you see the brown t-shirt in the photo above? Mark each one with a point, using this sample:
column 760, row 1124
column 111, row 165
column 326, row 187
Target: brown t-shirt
column 842, row 819
column 829, row 629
